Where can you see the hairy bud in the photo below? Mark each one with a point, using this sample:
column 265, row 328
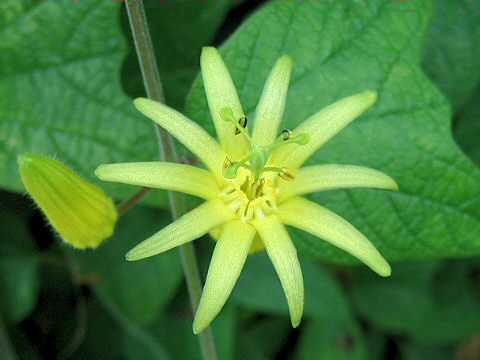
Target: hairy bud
column 81, row 212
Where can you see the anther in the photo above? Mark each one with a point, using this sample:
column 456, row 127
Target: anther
column 227, row 163
column 257, row 188
column 285, row 174
column 242, row 122
column 286, row 134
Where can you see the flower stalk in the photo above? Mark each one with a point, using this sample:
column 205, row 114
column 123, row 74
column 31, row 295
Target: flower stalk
column 153, row 87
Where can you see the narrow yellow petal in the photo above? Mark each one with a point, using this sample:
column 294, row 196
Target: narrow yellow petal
column 189, row 227
column 322, row 126
column 326, row 177
column 325, row 224
column 283, row 255
column 221, row 93
column 162, row 175
column 227, row 262
column 189, row 133
column 269, row 112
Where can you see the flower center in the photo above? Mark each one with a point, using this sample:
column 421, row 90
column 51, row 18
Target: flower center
column 252, row 193
column 249, row 198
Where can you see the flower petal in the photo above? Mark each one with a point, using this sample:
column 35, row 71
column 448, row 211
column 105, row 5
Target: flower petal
column 326, row 177
column 322, row 126
column 321, row 222
column 162, row 175
column 283, row 255
column 189, row 227
column 221, row 93
column 189, row 133
column 272, row 102
column 227, row 262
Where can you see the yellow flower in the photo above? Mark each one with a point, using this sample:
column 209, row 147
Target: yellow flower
column 253, row 184
column 81, row 212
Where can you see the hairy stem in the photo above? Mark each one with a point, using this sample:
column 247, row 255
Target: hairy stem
column 153, row 87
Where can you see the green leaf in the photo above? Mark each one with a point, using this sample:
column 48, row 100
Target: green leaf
column 141, row 289
column 224, row 333
column 467, row 128
column 263, row 338
column 331, row 340
column 414, row 351
column 19, row 270
column 341, row 49
column 433, row 302
column 259, row 288
column 20, row 285
column 451, row 55
column 97, row 342
column 177, row 47
column 62, row 95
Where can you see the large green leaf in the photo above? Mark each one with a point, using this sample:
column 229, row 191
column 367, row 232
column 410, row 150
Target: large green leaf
column 451, row 55
column 344, row 48
column 332, row 340
column 62, row 94
column 434, row 302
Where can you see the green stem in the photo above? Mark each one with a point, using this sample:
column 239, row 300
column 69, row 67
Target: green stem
column 133, row 200
column 153, row 87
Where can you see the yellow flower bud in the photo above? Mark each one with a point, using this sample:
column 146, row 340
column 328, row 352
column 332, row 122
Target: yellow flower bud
column 80, row 211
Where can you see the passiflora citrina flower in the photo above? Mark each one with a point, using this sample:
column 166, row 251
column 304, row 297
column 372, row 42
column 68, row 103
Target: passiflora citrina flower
column 253, row 184
column 81, row 212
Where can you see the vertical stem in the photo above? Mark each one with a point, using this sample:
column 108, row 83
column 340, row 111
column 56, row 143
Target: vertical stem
column 153, row 87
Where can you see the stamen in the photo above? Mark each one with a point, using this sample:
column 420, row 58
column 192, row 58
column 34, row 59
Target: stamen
column 257, row 188
column 230, row 168
column 242, row 122
column 288, row 137
column 227, row 163
column 227, row 115
column 285, row 174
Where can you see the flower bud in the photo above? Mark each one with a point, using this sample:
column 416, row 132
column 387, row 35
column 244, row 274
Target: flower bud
column 81, row 212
